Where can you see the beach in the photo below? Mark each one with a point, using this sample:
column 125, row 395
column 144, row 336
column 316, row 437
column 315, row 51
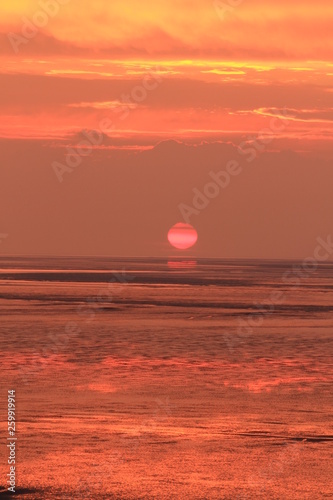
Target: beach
column 149, row 379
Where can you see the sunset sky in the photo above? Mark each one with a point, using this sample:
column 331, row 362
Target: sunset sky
column 209, row 75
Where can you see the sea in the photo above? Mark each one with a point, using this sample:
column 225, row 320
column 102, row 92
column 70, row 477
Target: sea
column 167, row 378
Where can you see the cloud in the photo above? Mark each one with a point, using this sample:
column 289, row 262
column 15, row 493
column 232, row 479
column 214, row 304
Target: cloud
column 173, row 93
column 53, row 106
column 300, row 115
column 106, row 105
column 42, row 44
column 290, row 31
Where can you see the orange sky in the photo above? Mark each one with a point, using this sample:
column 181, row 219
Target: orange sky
column 213, row 58
column 256, row 29
column 139, row 73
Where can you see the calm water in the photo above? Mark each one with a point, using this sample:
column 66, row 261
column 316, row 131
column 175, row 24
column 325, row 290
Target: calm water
column 155, row 380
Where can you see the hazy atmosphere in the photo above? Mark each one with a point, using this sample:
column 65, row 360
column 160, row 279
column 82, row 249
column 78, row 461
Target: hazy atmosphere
column 109, row 137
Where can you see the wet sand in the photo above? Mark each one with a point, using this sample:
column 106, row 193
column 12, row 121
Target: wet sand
column 148, row 390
